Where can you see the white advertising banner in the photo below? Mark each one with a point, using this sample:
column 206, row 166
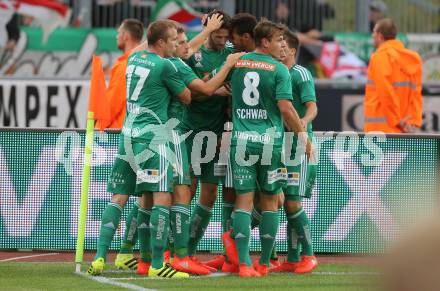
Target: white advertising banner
column 38, row 103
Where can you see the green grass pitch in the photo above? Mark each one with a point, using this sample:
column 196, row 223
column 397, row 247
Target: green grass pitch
column 61, row 276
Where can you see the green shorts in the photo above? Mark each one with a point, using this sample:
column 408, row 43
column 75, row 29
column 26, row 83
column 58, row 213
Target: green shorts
column 181, row 172
column 209, row 171
column 301, row 178
column 269, row 178
column 140, row 167
column 224, row 164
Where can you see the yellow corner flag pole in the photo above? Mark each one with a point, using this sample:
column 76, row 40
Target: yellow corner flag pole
column 84, row 191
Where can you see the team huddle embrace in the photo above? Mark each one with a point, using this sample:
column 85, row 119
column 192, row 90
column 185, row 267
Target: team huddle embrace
column 229, row 109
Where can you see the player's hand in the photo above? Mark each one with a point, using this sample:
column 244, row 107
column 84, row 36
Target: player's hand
column 303, row 139
column 222, row 91
column 233, row 58
column 214, row 22
column 313, row 158
column 228, row 87
column 311, row 151
column 303, row 123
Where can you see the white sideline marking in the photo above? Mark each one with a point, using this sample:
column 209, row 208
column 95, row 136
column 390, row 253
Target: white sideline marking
column 119, row 271
column 108, row 281
column 31, row 256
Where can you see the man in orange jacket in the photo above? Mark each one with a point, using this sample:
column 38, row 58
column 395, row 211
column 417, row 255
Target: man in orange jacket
column 393, row 94
column 130, row 34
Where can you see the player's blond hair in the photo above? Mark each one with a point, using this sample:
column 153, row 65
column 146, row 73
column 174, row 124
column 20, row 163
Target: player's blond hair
column 266, row 29
column 159, row 29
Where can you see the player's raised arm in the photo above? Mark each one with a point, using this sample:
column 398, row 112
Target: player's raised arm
column 213, row 23
column 208, row 88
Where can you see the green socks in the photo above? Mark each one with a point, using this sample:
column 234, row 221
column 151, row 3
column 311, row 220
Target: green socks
column 159, row 221
column 298, row 229
column 274, row 255
column 268, row 232
column 143, row 219
column 109, row 223
column 199, row 223
column 256, row 218
column 130, row 234
column 170, row 246
column 227, row 210
column 180, row 215
column 242, row 235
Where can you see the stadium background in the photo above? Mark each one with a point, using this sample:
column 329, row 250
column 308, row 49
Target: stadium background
column 43, row 79
column 44, row 85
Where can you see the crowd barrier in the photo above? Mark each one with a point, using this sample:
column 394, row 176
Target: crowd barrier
column 367, row 189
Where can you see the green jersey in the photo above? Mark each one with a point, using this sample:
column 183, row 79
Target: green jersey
column 258, row 82
column 187, row 75
column 211, row 113
column 303, row 91
column 151, row 81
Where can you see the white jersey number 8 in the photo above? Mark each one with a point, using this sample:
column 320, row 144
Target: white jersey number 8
column 251, row 96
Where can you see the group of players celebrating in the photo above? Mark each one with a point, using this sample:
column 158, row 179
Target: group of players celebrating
column 177, row 94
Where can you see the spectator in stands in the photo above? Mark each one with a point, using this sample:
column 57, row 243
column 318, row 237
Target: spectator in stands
column 393, row 93
column 306, row 17
column 377, row 12
column 13, row 30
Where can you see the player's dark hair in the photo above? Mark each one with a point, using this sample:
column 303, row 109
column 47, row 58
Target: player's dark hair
column 134, row 27
column 159, row 30
column 226, row 18
column 243, row 23
column 387, row 28
column 291, row 38
column 266, row 29
column 180, row 29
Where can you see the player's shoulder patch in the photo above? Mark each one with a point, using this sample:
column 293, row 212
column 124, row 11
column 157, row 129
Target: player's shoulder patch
column 197, row 56
column 303, row 73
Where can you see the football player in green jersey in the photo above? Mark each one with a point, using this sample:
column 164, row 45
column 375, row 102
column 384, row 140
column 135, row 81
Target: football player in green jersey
column 180, row 219
column 207, row 115
column 300, row 177
column 261, row 103
column 142, row 166
column 125, row 259
column 242, row 32
column 242, row 36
